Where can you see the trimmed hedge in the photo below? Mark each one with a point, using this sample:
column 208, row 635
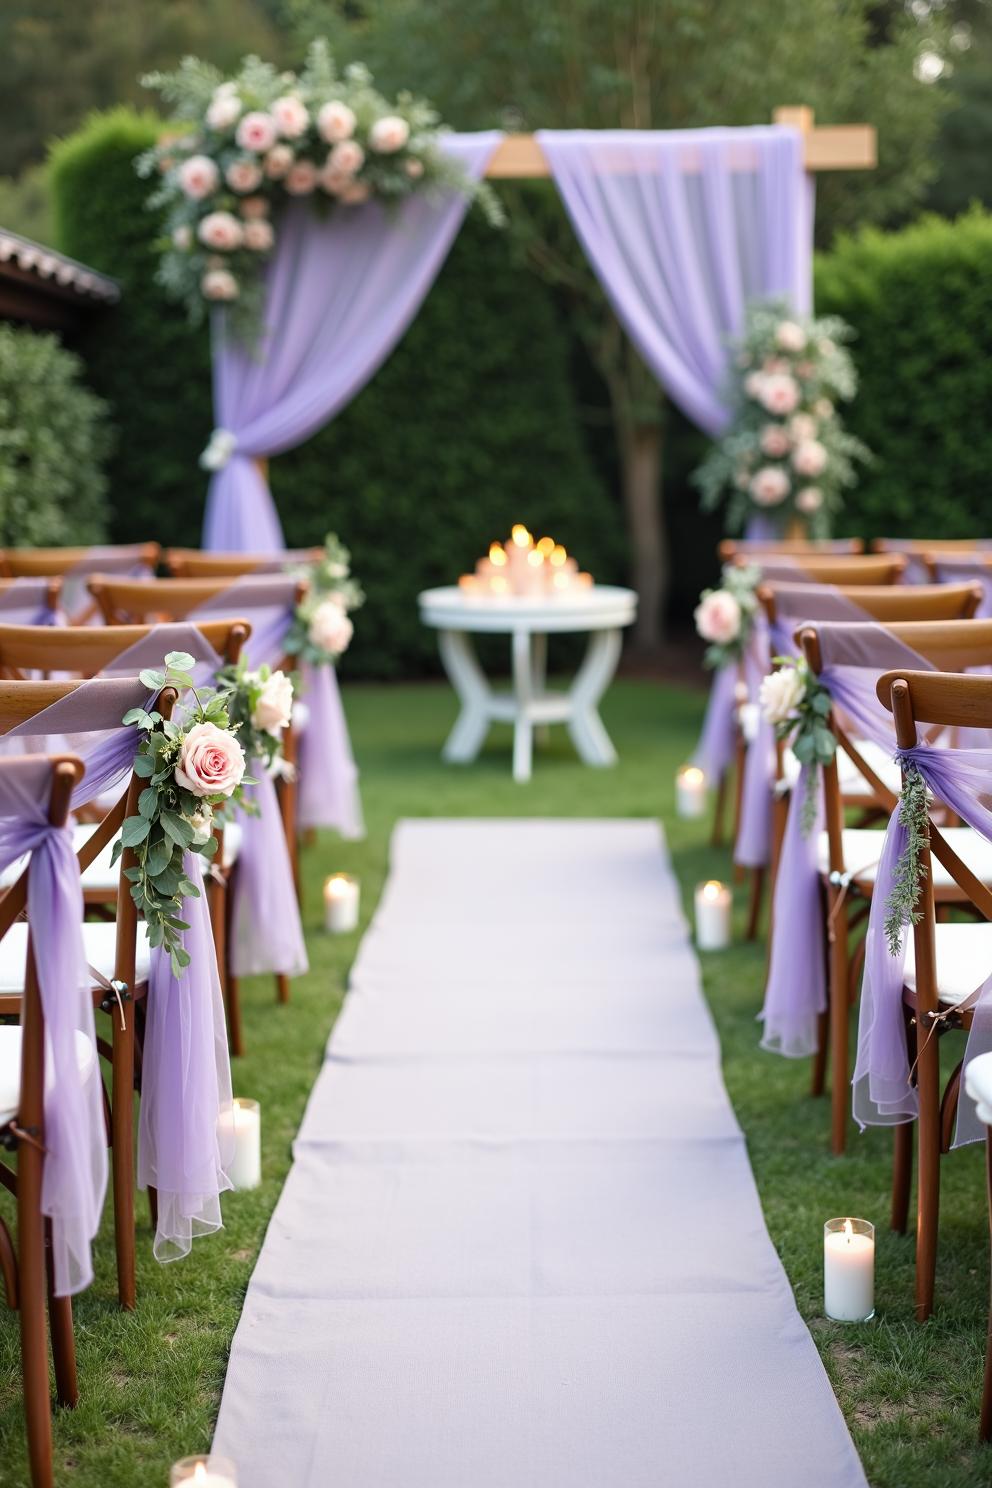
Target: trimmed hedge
column 470, row 425
column 920, row 301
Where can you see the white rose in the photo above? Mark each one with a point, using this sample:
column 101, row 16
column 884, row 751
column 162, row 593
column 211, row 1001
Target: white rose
column 257, row 132
column 770, row 485
column 810, row 457
column 182, row 237
column 789, row 336
column 202, row 822
column 219, row 284
column 347, row 157
column 779, row 393
column 718, row 616
column 414, row 169
column 802, row 426
column 243, row 175
column 336, row 122
column 780, row 694
column 388, row 134
column 301, row 178
column 330, row 629
column 224, row 110
column 221, row 231
column 291, row 116
column 258, row 235
column 823, row 408
column 278, row 161
column 274, row 708
column 809, row 499
column 253, row 207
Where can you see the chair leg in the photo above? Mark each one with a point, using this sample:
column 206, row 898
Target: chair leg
column 63, row 1338
column 754, row 906
column 985, row 1427
column 282, row 988
column 902, row 1175
column 839, row 1012
column 122, row 1153
column 229, row 987
column 34, row 1334
column 928, row 1175
column 819, row 1075
column 719, row 810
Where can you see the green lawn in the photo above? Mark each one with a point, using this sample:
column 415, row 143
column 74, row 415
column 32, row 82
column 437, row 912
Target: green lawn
column 151, row 1380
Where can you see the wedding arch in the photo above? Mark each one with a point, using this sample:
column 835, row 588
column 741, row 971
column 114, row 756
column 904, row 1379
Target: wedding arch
column 681, row 227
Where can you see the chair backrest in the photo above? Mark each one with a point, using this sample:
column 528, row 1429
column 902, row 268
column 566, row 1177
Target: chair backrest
column 829, row 568
column 923, row 544
column 127, row 601
column 32, row 563
column 730, row 547
column 53, row 591
column 86, row 649
column 937, row 558
column 193, row 563
column 890, row 602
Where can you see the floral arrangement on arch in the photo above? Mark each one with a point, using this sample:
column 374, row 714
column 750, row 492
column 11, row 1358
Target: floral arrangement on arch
column 322, row 627
column 787, row 454
column 725, row 616
column 245, row 145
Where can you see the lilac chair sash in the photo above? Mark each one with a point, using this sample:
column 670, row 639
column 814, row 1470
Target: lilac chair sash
column 962, row 568
column 75, row 1170
column 26, row 602
column 186, row 1076
column 883, row 1093
column 118, row 559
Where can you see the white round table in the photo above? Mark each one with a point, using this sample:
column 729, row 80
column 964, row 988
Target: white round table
column 601, row 611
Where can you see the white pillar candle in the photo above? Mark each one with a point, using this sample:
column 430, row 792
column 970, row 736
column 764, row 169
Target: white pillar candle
column 341, row 899
column 241, row 1134
column 849, row 1270
column 209, row 1471
column 690, row 792
column 713, row 903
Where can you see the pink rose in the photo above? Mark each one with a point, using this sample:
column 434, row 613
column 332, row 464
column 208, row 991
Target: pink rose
column 335, row 183
column 753, row 383
column 802, row 426
column 278, row 161
column 219, row 284
column 258, row 235
column 243, row 175
column 718, row 616
column 336, row 122
column 257, row 132
column 330, row 629
column 347, row 157
column 774, row 441
column 274, row 708
column 809, row 499
column 809, row 458
column 779, row 393
column 388, row 134
column 211, row 761
column 414, row 169
column 291, row 116
column 770, row 485
column 224, row 110
column 789, row 336
column 302, row 178
column 254, row 207
column 198, row 177
column 355, row 193
column 220, row 231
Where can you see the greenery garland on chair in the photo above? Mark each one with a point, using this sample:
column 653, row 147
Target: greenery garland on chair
column 793, row 700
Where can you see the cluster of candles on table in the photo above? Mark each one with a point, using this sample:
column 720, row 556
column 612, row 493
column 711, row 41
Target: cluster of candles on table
column 848, row 1244
column 541, row 569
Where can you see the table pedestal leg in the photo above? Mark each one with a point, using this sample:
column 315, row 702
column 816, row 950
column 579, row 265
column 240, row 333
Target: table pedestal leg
column 585, row 726
column 469, row 681
column 539, row 674
column 524, row 693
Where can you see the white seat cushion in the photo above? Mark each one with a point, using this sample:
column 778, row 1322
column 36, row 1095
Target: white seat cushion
column 964, row 959
column 852, row 782
column 863, row 848
column 978, row 1084
column 100, row 876
column 10, row 1068
column 99, row 939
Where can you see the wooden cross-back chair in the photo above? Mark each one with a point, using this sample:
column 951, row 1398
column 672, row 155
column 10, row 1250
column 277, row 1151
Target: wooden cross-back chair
column 194, row 563
column 53, row 589
column 848, row 856
column 832, row 568
column 945, row 963
column 923, row 544
column 87, row 650
column 124, row 600
column 46, row 563
column 745, row 547
column 26, row 1266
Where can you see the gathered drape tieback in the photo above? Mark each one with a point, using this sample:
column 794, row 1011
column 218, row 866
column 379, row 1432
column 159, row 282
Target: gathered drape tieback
column 220, row 447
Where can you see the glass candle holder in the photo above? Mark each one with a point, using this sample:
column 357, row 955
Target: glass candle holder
column 849, row 1270
column 207, row 1470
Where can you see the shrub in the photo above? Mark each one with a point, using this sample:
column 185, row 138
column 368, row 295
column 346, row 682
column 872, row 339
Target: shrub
column 469, row 426
column 54, row 439
column 920, row 302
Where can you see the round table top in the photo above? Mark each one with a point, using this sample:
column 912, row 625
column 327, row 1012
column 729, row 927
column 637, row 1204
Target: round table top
column 603, row 607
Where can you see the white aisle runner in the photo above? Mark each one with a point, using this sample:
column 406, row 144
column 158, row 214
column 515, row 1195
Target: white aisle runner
column 520, row 1245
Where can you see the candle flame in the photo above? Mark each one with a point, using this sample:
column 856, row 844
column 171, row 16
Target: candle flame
column 712, row 889
column 521, row 536
column 691, row 775
column 199, row 1473
column 546, row 546
column 499, row 584
column 336, row 884
column 497, row 554
column 848, row 1231
column 535, row 558
column 558, row 555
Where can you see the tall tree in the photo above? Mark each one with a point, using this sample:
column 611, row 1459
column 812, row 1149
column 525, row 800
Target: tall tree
column 523, row 64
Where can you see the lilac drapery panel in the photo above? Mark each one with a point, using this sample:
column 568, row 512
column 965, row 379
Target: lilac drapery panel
column 682, row 228
column 340, row 294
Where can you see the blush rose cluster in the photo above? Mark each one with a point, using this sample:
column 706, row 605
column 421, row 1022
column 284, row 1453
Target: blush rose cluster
column 725, row 616
column 787, row 454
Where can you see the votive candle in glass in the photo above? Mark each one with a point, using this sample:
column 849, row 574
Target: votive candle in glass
column 849, row 1270
column 241, row 1134
column 206, row 1471
column 690, row 792
column 341, row 902
column 713, row 904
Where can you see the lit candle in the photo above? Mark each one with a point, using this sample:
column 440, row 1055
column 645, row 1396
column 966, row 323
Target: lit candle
column 849, row 1270
column 499, row 586
column 470, row 584
column 690, row 792
column 497, row 555
column 713, row 904
column 546, row 546
column 341, row 896
column 536, row 582
column 583, row 580
column 209, row 1471
column 241, row 1134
